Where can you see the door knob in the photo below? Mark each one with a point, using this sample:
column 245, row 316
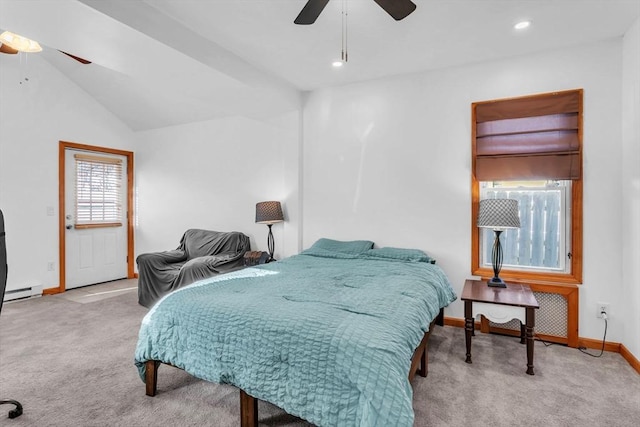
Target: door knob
column 69, row 227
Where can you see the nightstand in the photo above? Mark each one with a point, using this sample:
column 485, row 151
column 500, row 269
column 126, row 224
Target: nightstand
column 500, row 305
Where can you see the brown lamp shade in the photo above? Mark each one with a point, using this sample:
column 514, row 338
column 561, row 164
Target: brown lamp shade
column 269, row 212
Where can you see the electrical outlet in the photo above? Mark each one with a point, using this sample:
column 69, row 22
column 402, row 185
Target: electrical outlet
column 51, row 266
column 602, row 307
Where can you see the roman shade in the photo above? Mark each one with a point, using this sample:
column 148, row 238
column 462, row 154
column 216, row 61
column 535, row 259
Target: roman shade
column 529, row 138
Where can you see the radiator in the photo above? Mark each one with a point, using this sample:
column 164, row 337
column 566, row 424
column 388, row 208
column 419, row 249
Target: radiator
column 33, row 291
column 551, row 317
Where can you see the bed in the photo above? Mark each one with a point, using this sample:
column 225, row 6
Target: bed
column 332, row 335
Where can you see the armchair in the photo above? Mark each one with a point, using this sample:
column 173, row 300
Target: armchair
column 201, row 254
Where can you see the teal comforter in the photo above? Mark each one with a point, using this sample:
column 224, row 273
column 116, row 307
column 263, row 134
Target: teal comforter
column 327, row 338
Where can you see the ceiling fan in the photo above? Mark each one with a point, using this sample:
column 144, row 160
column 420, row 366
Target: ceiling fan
column 398, row 9
column 11, row 44
column 11, row 51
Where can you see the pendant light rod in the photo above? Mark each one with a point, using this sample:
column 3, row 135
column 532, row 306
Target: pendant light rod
column 345, row 34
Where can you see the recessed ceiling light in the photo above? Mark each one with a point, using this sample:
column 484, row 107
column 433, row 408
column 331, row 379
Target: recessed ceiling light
column 522, row 25
column 337, row 64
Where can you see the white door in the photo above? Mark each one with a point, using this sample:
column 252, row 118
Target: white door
column 95, row 217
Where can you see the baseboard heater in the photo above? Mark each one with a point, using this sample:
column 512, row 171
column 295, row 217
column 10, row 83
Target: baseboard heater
column 556, row 319
column 32, row 291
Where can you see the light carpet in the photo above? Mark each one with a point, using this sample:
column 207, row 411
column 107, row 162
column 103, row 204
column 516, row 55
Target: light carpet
column 71, row 364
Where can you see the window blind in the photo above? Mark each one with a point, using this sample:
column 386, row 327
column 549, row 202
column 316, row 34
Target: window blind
column 98, row 190
column 529, row 138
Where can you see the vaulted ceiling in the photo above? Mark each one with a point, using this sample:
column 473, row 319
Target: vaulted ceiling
column 165, row 62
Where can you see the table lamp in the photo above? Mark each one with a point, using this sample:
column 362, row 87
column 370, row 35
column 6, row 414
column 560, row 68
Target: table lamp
column 498, row 214
column 269, row 213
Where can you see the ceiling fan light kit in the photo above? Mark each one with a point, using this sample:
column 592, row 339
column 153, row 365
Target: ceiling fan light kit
column 19, row 43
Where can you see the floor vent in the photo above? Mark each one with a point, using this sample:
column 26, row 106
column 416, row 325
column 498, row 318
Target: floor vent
column 14, row 294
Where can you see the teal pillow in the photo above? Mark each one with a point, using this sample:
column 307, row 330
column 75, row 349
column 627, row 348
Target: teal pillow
column 353, row 247
column 400, row 254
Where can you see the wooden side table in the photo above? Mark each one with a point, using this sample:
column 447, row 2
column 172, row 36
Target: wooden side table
column 500, row 305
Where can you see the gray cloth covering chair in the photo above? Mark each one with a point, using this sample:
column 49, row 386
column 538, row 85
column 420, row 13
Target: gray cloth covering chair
column 201, row 254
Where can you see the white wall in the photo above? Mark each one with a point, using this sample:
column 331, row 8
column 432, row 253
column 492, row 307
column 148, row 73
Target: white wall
column 34, row 116
column 211, row 174
column 207, row 174
column 631, row 188
column 389, row 160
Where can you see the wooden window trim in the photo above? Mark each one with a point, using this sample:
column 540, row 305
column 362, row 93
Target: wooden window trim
column 539, row 278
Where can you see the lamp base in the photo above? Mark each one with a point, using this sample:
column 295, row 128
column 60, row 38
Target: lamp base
column 270, row 244
column 496, row 282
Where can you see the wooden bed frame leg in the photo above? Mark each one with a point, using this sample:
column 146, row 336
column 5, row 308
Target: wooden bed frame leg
column 440, row 318
column 248, row 410
column 423, row 369
column 151, row 376
column 420, row 359
column 424, row 362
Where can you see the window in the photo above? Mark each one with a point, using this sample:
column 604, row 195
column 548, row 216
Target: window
column 543, row 240
column 530, row 149
column 98, row 191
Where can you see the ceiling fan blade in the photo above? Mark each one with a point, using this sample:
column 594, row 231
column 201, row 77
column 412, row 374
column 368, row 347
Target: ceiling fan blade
column 7, row 49
column 310, row 12
column 77, row 58
column 398, row 9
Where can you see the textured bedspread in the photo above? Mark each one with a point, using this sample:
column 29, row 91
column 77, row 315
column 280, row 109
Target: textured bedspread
column 328, row 339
